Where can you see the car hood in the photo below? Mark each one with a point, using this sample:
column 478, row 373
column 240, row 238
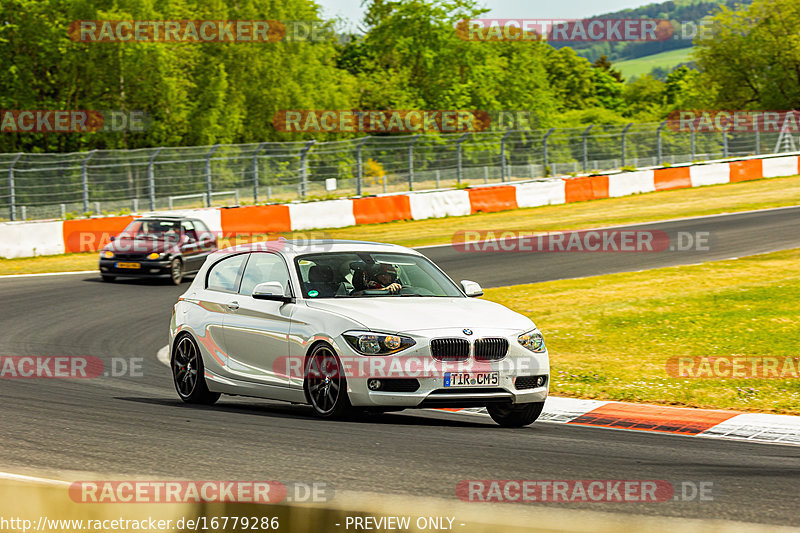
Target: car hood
column 407, row 314
column 142, row 246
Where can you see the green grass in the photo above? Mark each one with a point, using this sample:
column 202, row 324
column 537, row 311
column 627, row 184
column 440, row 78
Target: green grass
column 731, row 197
column 643, row 65
column 610, row 336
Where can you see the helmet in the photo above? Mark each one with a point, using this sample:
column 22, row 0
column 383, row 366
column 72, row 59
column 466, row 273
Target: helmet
column 384, row 269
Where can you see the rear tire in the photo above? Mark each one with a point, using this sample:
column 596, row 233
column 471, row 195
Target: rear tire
column 515, row 416
column 325, row 384
column 188, row 373
column 108, row 279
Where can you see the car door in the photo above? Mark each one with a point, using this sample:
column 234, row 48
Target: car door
column 213, row 306
column 207, row 240
column 257, row 331
column 190, row 247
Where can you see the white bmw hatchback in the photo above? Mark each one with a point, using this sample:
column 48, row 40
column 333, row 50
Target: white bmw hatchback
column 347, row 326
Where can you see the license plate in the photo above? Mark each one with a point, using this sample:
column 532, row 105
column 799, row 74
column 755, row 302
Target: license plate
column 471, row 379
column 129, row 265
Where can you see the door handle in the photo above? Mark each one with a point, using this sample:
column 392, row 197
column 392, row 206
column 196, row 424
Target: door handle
column 232, row 306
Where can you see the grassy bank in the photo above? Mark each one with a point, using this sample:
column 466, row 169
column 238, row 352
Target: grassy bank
column 610, row 336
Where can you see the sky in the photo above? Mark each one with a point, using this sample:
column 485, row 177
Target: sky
column 351, row 10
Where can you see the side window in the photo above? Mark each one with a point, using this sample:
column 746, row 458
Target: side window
column 188, row 229
column 261, row 268
column 224, row 276
column 200, row 227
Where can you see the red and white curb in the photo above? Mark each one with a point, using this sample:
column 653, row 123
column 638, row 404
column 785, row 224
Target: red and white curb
column 718, row 424
column 708, row 423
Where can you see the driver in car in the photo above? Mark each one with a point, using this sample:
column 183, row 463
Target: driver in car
column 384, row 276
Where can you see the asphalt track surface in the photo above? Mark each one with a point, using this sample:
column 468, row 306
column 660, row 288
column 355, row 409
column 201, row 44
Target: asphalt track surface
column 135, row 426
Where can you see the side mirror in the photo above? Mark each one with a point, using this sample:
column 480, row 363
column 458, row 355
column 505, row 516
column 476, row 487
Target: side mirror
column 113, row 238
column 271, row 290
column 471, row 288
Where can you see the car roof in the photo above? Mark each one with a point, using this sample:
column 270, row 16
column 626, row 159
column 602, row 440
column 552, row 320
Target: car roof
column 290, row 247
column 171, row 218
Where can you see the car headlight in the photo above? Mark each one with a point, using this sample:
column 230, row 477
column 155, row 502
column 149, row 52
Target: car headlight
column 154, row 256
column 108, row 254
column 369, row 343
column 532, row 340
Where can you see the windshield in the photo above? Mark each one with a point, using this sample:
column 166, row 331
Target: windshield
column 367, row 274
column 152, row 228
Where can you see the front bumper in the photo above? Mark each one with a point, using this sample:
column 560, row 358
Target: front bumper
column 148, row 269
column 431, row 392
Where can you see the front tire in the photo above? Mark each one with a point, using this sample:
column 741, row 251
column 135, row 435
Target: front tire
column 325, row 384
column 176, row 271
column 515, row 416
column 188, row 373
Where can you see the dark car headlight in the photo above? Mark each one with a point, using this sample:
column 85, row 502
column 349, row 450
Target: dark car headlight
column 370, row 343
column 533, row 340
column 155, row 255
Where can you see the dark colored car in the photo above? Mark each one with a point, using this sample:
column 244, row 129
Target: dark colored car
column 158, row 247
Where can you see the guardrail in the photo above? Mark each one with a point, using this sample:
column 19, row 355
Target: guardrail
column 57, row 185
column 19, row 239
column 204, row 196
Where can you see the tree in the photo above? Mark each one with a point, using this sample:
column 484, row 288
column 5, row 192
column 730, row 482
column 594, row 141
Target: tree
column 751, row 57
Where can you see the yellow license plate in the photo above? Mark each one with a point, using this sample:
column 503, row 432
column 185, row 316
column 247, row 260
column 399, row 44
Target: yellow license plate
column 129, row 265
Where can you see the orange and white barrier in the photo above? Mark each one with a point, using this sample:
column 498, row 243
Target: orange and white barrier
column 24, row 239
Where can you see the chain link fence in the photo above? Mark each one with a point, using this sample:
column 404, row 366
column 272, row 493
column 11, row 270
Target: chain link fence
column 38, row 186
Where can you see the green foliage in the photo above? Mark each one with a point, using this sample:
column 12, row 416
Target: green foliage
column 685, row 16
column 751, row 56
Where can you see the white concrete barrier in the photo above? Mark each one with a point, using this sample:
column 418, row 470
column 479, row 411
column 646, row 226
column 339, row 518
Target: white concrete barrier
column 537, row 193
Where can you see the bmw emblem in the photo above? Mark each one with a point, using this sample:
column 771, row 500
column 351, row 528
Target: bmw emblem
column 467, row 331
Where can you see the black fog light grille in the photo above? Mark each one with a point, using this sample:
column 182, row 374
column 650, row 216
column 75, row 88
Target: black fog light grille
column 530, row 382
column 399, row 385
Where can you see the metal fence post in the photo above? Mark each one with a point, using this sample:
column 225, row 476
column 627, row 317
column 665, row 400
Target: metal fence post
column 12, row 198
column 360, row 165
column 208, row 174
column 758, row 141
column 503, row 170
column 694, row 151
column 85, row 180
column 151, row 179
column 725, row 143
column 545, row 158
column 459, row 158
column 255, row 172
column 304, row 168
column 411, row 161
column 658, row 141
column 625, row 142
column 586, row 147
